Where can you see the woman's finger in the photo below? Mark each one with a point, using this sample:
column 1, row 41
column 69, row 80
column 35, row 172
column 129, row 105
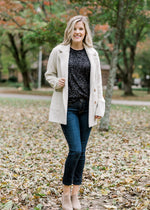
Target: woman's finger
column 62, row 82
column 98, row 117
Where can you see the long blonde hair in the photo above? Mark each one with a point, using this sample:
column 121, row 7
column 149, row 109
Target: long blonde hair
column 70, row 27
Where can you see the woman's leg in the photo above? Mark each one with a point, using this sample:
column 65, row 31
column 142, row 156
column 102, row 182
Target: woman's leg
column 72, row 134
column 66, row 189
column 75, row 189
column 66, row 199
column 84, row 135
column 76, row 132
column 74, row 197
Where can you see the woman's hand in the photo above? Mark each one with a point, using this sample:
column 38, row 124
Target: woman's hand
column 61, row 82
column 98, row 117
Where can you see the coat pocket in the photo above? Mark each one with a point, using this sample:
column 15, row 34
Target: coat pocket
column 56, row 101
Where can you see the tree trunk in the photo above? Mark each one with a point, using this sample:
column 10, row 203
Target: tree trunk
column 129, row 69
column 148, row 90
column 128, row 87
column 26, row 80
column 104, row 124
column 19, row 53
column 127, row 81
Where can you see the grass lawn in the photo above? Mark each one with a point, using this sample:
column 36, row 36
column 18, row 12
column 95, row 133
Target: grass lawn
column 45, row 92
column 33, row 153
column 139, row 95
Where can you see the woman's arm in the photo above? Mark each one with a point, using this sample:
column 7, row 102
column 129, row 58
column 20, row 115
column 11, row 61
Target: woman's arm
column 51, row 73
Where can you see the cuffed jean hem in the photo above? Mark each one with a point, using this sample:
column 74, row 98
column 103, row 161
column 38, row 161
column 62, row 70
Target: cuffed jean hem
column 68, row 184
column 77, row 183
column 73, row 182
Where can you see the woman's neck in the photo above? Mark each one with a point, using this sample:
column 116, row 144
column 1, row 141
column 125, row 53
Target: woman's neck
column 77, row 46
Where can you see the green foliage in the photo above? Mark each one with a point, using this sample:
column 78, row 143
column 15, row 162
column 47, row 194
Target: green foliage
column 52, row 33
column 143, row 63
column 13, row 79
column 6, row 83
column 5, row 62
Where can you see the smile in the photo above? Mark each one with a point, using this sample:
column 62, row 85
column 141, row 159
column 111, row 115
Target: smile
column 77, row 36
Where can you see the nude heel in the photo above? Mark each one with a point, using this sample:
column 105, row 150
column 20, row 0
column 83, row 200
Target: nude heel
column 66, row 202
column 75, row 202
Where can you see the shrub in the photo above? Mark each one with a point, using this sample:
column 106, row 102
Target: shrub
column 13, row 79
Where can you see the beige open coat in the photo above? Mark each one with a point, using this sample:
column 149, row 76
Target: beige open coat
column 58, row 68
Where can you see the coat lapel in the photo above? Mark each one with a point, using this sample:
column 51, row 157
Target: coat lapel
column 64, row 59
column 92, row 57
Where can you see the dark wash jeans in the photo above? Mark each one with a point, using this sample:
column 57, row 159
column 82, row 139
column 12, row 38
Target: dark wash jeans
column 76, row 133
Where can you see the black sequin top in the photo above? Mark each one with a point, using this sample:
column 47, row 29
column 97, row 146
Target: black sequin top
column 78, row 75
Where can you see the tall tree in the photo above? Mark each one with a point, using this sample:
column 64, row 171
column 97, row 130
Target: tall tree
column 119, row 42
column 143, row 67
column 135, row 29
column 119, row 35
column 27, row 22
column 19, row 52
column 13, row 20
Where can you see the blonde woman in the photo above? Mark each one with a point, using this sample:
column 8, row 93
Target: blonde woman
column 74, row 72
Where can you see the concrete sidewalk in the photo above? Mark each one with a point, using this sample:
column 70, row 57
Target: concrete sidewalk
column 23, row 96
column 130, row 103
column 37, row 97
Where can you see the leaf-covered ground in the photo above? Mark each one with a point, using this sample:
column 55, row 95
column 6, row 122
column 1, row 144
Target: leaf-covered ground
column 33, row 152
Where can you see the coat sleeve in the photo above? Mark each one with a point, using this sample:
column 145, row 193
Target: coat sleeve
column 51, row 73
column 100, row 109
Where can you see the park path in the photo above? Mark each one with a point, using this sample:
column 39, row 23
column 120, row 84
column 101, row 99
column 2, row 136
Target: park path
column 37, row 97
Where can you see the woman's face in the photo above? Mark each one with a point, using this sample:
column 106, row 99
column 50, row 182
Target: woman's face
column 78, row 33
